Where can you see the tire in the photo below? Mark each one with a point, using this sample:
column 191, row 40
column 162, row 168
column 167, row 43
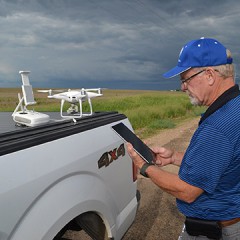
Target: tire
column 70, row 226
column 93, row 225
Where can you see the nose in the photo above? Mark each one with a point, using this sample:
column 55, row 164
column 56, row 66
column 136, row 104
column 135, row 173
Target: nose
column 183, row 87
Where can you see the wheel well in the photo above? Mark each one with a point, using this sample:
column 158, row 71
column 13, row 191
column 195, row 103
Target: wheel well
column 90, row 222
column 72, row 225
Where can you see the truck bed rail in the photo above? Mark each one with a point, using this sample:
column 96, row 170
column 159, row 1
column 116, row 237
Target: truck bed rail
column 31, row 136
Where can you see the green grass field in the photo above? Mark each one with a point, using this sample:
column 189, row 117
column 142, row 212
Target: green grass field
column 148, row 111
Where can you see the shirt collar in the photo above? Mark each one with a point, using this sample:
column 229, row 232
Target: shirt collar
column 220, row 101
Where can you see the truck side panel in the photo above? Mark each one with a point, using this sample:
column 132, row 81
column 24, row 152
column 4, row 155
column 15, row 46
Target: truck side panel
column 56, row 180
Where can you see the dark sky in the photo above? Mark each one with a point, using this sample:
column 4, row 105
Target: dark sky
column 117, row 44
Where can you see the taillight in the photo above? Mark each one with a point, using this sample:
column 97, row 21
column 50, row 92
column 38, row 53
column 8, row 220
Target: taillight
column 135, row 172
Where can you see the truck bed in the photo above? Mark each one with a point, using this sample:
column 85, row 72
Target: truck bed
column 14, row 138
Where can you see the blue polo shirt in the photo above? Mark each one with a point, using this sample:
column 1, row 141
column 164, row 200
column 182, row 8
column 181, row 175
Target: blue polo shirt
column 212, row 161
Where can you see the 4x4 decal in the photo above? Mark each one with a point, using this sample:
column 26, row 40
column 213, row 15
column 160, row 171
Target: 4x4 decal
column 109, row 157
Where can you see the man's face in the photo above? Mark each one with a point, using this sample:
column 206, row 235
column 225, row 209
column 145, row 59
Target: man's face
column 192, row 82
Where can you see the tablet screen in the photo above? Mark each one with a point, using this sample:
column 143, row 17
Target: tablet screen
column 139, row 146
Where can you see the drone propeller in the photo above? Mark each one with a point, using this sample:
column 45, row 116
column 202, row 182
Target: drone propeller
column 50, row 91
column 44, row 91
column 90, row 90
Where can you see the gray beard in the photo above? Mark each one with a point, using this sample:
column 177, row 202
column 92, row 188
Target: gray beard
column 194, row 101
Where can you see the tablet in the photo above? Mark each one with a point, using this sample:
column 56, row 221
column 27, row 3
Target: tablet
column 139, row 146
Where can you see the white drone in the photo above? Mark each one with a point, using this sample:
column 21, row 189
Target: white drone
column 23, row 116
column 75, row 97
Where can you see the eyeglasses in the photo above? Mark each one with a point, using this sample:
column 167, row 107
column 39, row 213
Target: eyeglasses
column 191, row 77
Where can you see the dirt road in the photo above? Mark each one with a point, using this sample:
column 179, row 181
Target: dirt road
column 157, row 217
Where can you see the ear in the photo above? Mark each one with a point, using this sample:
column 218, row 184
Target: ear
column 211, row 76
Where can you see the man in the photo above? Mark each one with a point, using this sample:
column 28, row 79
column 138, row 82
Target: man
column 207, row 186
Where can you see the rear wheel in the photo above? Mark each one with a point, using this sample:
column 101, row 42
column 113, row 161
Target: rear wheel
column 90, row 222
column 93, row 225
column 70, row 226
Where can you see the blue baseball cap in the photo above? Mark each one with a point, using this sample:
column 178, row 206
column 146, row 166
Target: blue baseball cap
column 202, row 52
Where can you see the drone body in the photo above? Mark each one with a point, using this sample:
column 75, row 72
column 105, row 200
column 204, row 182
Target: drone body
column 75, row 97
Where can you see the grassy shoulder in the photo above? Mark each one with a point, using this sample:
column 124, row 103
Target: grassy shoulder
column 148, row 111
column 151, row 111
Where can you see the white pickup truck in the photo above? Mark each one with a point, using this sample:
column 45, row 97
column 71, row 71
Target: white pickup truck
column 64, row 174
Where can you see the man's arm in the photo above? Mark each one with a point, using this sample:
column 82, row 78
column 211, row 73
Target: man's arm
column 169, row 182
column 172, row 184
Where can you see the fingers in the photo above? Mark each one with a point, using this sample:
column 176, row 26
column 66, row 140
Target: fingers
column 129, row 148
column 159, row 150
column 163, row 156
column 132, row 153
column 138, row 161
column 158, row 162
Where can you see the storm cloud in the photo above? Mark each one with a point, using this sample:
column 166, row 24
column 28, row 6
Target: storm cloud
column 125, row 44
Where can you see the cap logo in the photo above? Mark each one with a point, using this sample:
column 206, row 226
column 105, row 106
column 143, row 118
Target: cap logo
column 179, row 60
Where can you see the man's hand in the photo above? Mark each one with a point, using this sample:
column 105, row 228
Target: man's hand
column 138, row 161
column 163, row 156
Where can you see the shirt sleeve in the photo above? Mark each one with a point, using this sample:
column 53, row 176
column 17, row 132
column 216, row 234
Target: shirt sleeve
column 206, row 158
